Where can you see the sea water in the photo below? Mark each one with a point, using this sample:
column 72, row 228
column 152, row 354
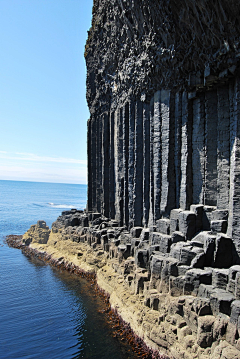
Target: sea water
column 45, row 313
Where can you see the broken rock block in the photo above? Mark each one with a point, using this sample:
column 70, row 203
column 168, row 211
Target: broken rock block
column 162, row 268
column 187, row 223
column 235, row 312
column 198, row 210
column 84, row 221
column 154, row 248
column 142, row 255
column 177, row 237
column 205, row 291
column 223, row 257
column 165, row 243
column 237, row 286
column 194, row 277
column 163, row 240
column 233, row 271
column 174, row 220
column 219, row 226
column 145, row 234
column 207, row 217
column 185, row 252
column 201, row 306
column 205, row 331
column 41, row 224
column 163, row 225
column 169, row 268
column 136, row 232
column 220, row 326
column 141, row 276
column 220, row 278
column 156, row 264
column 221, row 301
column 220, row 215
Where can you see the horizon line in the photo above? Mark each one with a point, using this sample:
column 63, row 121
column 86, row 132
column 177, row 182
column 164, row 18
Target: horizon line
column 81, row 184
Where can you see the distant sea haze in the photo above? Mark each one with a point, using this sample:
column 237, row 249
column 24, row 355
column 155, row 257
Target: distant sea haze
column 45, row 313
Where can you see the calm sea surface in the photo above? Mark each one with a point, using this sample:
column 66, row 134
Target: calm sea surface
column 45, row 313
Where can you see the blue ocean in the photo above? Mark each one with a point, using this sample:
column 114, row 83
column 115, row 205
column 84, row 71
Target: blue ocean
column 45, row 313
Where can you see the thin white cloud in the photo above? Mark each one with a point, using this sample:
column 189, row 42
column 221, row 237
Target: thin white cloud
column 36, row 158
column 43, row 174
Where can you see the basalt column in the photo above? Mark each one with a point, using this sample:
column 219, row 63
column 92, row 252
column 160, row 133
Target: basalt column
column 178, row 145
column 119, row 169
column 99, row 163
column 92, row 165
column 167, row 153
column 223, row 138
column 146, row 163
column 89, row 173
column 157, row 173
column 111, row 183
column 131, row 161
column 234, row 203
column 138, row 165
column 105, row 164
column 198, row 149
column 125, row 161
column 186, row 154
column 211, row 116
column 151, row 156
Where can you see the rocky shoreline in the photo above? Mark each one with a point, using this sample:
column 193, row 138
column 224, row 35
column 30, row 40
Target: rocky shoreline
column 198, row 319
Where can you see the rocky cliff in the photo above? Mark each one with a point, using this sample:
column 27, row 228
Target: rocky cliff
column 163, row 92
column 163, row 89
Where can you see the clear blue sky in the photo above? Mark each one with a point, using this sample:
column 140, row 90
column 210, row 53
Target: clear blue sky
column 43, row 110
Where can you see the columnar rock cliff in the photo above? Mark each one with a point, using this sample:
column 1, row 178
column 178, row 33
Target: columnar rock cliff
column 163, row 92
column 163, row 89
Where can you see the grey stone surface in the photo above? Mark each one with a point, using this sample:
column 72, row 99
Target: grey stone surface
column 163, row 225
column 187, row 223
column 223, row 255
column 177, row 237
column 220, row 278
column 220, row 215
column 219, row 226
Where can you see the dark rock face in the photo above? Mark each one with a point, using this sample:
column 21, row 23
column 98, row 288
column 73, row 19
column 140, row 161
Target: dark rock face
column 163, row 90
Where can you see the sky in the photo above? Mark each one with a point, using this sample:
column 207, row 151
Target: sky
column 43, row 109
